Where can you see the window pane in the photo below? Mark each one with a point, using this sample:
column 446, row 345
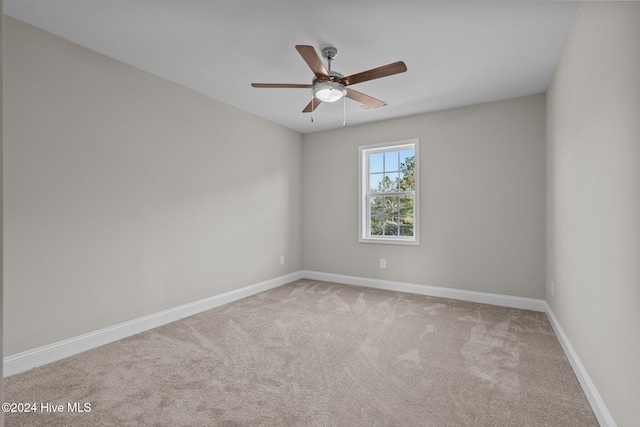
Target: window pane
column 406, row 226
column 391, row 226
column 406, row 230
column 376, row 182
column 407, row 181
column 376, row 226
column 407, row 159
column 406, row 205
column 406, row 221
column 391, row 181
column 376, row 205
column 391, row 161
column 391, row 205
column 375, row 162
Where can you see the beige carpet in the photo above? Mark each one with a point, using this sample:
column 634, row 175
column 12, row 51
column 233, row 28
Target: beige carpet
column 320, row 354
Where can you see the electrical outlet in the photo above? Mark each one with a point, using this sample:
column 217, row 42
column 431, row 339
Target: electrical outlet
column 552, row 287
column 383, row 263
column 281, row 259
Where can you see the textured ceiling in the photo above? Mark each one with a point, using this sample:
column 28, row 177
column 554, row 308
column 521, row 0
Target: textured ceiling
column 457, row 53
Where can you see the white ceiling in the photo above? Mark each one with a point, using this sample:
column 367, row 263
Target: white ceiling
column 457, row 53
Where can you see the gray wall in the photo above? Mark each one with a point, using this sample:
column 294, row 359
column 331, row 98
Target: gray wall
column 481, row 206
column 126, row 195
column 593, row 215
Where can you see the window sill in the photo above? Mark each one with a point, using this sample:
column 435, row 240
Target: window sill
column 382, row 241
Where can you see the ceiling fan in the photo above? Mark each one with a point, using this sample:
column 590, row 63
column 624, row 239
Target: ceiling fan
column 329, row 85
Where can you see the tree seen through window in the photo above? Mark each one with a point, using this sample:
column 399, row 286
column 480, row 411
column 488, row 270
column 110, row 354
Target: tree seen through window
column 391, row 193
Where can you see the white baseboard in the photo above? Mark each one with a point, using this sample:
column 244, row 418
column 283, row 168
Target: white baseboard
column 597, row 404
column 435, row 291
column 50, row 353
column 24, row 361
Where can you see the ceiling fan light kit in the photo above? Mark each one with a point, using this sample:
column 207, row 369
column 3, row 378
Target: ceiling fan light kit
column 329, row 91
column 331, row 86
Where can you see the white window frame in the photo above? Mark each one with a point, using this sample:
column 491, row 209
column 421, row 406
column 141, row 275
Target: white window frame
column 364, row 228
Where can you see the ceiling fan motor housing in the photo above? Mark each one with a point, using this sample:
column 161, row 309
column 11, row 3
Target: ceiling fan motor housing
column 333, row 75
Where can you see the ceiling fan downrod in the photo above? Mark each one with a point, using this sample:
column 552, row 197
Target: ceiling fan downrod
column 329, row 53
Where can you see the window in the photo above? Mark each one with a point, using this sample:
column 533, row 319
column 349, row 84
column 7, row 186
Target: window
column 389, row 193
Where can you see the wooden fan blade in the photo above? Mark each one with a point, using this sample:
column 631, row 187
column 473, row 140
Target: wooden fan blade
column 312, row 105
column 364, row 99
column 314, row 62
column 376, row 73
column 282, row 85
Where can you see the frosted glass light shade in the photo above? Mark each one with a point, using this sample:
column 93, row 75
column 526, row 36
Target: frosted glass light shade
column 329, row 91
